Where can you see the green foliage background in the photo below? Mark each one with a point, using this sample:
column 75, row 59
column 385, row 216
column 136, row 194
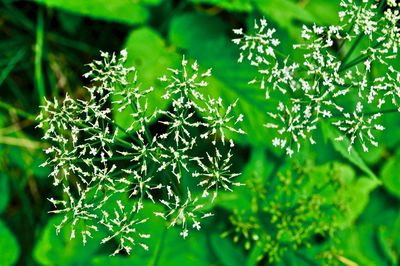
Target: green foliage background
column 44, row 45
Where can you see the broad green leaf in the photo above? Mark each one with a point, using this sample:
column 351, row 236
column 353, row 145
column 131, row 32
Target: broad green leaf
column 254, row 257
column 342, row 147
column 4, row 192
column 325, row 11
column 116, row 261
column 166, row 246
column 360, row 246
column 390, row 177
column 288, row 14
column 204, row 38
column 386, row 240
column 172, row 251
column 148, row 53
column 124, row 11
column 357, row 197
column 355, row 193
column 191, row 251
column 227, row 252
column 376, row 231
column 231, row 5
column 9, row 248
column 70, row 22
column 52, row 249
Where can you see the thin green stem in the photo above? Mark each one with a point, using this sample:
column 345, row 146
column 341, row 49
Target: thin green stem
column 16, row 90
column 22, row 113
column 352, row 48
column 121, row 128
column 356, row 61
column 19, row 17
column 115, row 158
column 146, row 130
column 11, row 64
column 40, row 87
column 344, row 40
column 121, row 142
column 77, row 45
column 388, row 111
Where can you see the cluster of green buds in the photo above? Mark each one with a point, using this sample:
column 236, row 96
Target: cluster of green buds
column 290, row 211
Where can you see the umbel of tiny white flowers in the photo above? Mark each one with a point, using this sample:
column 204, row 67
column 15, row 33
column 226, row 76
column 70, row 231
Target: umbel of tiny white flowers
column 313, row 89
column 110, row 173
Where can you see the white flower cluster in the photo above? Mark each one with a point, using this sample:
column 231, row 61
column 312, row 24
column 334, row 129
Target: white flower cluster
column 107, row 172
column 327, row 84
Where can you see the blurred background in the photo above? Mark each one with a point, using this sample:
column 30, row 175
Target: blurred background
column 44, row 46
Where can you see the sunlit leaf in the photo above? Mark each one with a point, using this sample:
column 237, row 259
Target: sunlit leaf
column 9, row 248
column 230, row 79
column 125, row 11
column 53, row 249
column 390, row 177
column 149, row 54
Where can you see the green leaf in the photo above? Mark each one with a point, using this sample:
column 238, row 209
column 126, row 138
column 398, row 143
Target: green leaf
column 52, row 249
column 355, row 193
column 288, row 14
column 9, row 248
column 204, row 38
column 124, row 11
column 257, row 170
column 227, row 252
column 390, row 176
column 116, row 261
column 166, row 246
column 255, row 255
column 387, row 240
column 360, row 246
column 173, row 251
column 325, row 11
column 342, row 147
column 375, row 239
column 231, row 5
column 148, row 53
column 4, row 192
column 357, row 196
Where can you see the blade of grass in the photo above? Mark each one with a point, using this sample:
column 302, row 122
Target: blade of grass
column 21, row 142
column 10, row 83
column 39, row 80
column 12, row 63
column 77, row 45
column 22, row 113
column 19, row 17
